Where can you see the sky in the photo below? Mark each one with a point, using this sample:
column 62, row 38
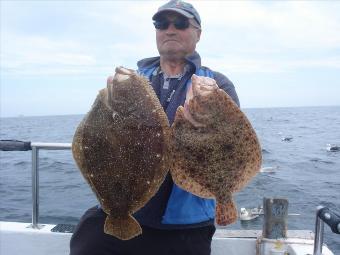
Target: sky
column 56, row 55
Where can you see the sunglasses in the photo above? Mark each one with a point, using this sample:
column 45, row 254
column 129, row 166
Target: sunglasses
column 180, row 24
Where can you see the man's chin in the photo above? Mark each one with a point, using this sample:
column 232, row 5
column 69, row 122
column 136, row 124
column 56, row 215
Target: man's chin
column 172, row 53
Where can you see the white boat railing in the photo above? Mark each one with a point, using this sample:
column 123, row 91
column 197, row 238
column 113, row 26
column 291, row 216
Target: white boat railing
column 16, row 145
column 35, row 174
column 323, row 214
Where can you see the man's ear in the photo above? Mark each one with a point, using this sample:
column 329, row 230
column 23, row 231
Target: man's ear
column 198, row 31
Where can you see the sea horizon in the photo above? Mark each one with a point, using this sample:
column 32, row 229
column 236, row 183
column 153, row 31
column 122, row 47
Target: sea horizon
column 242, row 108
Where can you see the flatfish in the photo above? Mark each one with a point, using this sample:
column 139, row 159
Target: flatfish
column 121, row 149
column 215, row 150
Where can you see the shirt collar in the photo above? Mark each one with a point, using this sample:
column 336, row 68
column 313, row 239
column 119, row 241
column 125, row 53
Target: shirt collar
column 193, row 59
column 177, row 76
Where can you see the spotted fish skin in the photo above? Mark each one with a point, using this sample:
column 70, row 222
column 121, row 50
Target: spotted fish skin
column 215, row 150
column 121, row 149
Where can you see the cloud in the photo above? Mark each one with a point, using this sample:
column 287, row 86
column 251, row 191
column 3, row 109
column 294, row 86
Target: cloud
column 237, row 64
column 37, row 54
column 32, row 55
column 269, row 36
column 111, row 38
column 67, row 48
column 288, row 24
column 329, row 62
column 242, row 36
column 243, row 65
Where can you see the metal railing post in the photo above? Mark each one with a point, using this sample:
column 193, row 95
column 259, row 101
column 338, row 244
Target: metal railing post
column 16, row 145
column 35, row 187
column 319, row 229
column 35, row 175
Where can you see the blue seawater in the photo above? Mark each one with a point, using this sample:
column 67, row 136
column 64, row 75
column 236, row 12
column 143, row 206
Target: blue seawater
column 305, row 172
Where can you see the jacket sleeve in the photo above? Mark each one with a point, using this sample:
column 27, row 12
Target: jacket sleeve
column 224, row 83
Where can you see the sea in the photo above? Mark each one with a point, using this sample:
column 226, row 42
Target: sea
column 296, row 165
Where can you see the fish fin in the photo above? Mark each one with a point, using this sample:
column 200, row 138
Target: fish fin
column 226, row 212
column 123, row 228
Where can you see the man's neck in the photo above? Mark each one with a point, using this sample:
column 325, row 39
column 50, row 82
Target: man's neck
column 172, row 66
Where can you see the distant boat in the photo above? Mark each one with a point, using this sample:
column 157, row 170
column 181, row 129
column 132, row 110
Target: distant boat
column 268, row 169
column 332, row 147
column 287, row 139
column 247, row 214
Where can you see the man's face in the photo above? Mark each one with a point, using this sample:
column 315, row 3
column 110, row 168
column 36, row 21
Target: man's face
column 176, row 43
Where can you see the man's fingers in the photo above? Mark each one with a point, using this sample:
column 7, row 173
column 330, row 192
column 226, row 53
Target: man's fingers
column 109, row 80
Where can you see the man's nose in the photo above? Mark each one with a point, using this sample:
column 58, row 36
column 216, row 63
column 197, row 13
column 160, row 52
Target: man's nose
column 171, row 29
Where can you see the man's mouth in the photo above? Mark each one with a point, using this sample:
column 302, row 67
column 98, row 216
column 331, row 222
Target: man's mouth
column 170, row 40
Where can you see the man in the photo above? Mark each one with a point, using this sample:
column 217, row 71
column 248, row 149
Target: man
column 173, row 221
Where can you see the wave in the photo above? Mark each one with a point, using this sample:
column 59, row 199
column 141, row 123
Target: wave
column 318, row 160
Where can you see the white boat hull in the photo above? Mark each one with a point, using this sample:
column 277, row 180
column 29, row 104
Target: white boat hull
column 19, row 239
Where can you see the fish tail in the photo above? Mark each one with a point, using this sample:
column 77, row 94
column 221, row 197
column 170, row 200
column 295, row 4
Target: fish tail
column 226, row 212
column 124, row 228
